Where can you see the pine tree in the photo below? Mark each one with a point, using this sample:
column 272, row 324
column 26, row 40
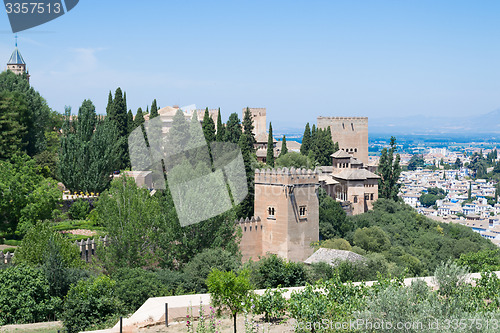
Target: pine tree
column 306, row 141
column 139, row 118
column 389, row 171
column 248, row 128
column 154, row 110
column 270, row 147
column 221, row 133
column 233, row 129
column 469, row 192
column 208, row 126
column 284, row 148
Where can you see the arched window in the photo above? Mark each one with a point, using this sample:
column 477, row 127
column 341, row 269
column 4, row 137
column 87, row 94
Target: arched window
column 355, row 199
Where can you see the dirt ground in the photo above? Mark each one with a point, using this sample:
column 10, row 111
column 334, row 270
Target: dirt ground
column 47, row 327
column 225, row 326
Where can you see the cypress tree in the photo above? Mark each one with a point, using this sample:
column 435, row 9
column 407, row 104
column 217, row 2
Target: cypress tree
column 284, row 148
column 389, row 171
column 130, row 122
column 233, row 129
column 246, row 207
column 208, row 126
column 306, row 141
column 139, row 118
column 109, row 107
column 119, row 118
column 154, row 110
column 270, row 147
column 220, row 135
column 248, row 128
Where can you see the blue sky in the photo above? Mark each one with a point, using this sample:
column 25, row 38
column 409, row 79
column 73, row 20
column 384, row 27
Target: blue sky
column 299, row 59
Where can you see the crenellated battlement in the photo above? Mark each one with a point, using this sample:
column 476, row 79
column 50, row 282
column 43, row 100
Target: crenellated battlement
column 343, row 118
column 248, row 220
column 285, row 176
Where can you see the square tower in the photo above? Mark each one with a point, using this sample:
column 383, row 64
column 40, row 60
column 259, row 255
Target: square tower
column 259, row 120
column 350, row 132
column 286, row 201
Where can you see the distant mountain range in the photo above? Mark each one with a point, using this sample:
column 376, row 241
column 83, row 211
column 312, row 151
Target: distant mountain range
column 474, row 124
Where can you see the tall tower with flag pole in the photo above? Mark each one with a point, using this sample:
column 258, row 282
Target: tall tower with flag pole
column 16, row 63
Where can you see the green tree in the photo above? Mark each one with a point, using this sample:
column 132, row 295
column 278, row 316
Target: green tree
column 208, row 126
column 332, row 218
column 248, row 127
column 25, row 195
column 294, row 159
column 306, row 141
column 35, row 246
column 284, row 148
column 270, row 147
column 197, row 270
column 389, row 171
column 25, row 297
column 233, row 129
column 118, row 116
column 273, row 271
column 416, row 161
column 154, row 110
column 139, row 118
column 229, row 290
column 135, row 285
column 90, row 151
column 131, row 217
column 13, row 130
column 372, row 239
column 130, row 122
column 458, row 163
column 90, row 303
column 481, row 261
column 37, row 119
column 221, row 131
column 246, row 207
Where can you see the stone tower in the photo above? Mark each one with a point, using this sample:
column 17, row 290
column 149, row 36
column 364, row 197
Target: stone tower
column 350, row 132
column 286, row 204
column 16, row 63
column 259, row 119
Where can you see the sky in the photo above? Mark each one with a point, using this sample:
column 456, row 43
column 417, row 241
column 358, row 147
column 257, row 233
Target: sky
column 298, row 59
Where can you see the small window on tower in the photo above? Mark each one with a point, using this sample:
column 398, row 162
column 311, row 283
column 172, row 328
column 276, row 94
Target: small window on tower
column 355, row 199
column 302, row 211
column 352, row 126
column 270, row 211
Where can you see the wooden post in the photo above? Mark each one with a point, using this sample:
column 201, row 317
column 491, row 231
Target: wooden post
column 166, row 314
column 121, row 324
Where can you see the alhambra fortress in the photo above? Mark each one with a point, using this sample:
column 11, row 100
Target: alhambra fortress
column 286, row 206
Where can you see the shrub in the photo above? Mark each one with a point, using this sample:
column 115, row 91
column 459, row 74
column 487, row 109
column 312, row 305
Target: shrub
column 449, row 276
column 135, row 285
column 90, row 303
column 273, row 271
column 79, row 209
column 337, row 243
column 35, row 247
column 272, row 304
column 25, row 297
column 196, row 271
